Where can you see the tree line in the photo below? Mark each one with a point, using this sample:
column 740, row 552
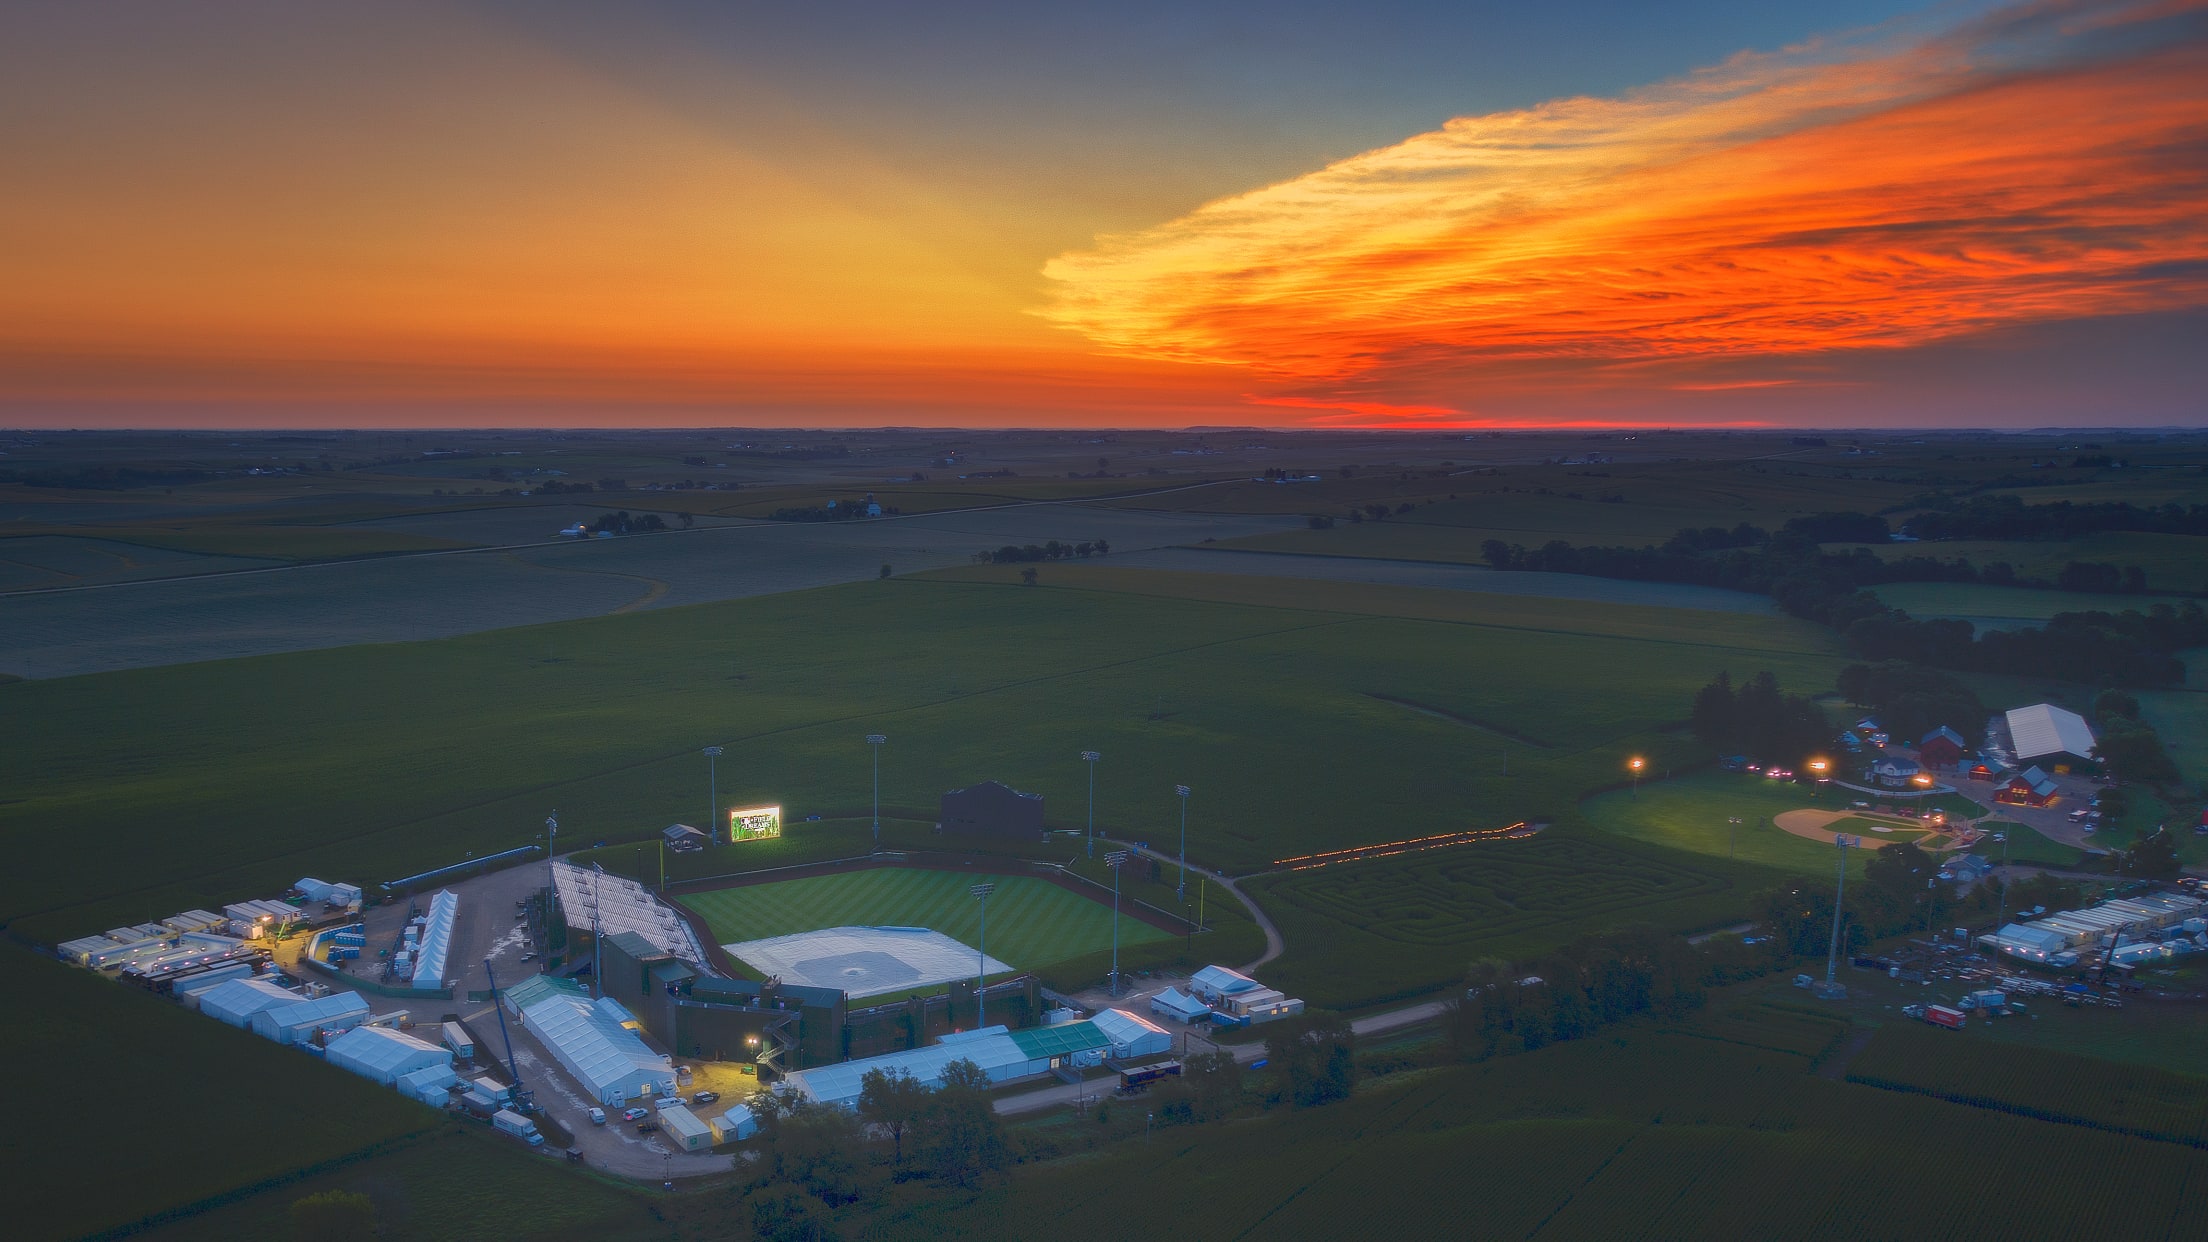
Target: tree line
column 2008, row 517
column 1015, row 554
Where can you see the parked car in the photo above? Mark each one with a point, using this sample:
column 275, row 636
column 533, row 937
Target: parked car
column 705, row 1097
column 636, row 1114
column 597, row 1116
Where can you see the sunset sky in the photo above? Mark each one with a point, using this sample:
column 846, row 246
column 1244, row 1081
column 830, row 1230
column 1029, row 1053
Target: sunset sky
column 1372, row 215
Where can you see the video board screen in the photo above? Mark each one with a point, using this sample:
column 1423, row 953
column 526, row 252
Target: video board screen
column 756, row 824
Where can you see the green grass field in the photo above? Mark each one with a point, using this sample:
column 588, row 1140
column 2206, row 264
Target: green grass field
column 1691, row 812
column 281, row 766
column 2026, row 845
column 1033, row 923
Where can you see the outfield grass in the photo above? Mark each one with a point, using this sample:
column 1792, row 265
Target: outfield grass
column 1033, row 923
column 1690, row 813
column 373, row 762
column 2026, row 845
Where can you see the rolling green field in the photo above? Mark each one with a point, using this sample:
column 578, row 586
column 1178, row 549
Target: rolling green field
column 2026, row 845
column 2004, row 607
column 377, row 761
column 1032, row 922
column 1711, row 1129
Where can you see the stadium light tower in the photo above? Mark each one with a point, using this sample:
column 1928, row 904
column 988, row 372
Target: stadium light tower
column 712, row 791
column 1092, row 756
column 551, row 840
column 874, row 743
column 1840, row 892
column 1732, row 834
column 1182, row 890
column 1115, row 860
column 981, row 893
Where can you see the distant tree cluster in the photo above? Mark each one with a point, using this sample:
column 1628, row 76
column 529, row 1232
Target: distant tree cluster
column 2008, row 517
column 1758, row 721
column 624, row 523
column 1911, row 701
column 1591, row 983
column 1015, row 554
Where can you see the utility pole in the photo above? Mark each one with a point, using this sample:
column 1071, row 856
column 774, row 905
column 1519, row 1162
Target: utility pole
column 1115, row 860
column 551, row 848
column 1092, row 756
column 1732, row 835
column 1181, row 890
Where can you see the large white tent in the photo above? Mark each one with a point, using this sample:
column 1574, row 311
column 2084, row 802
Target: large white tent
column 384, row 1054
column 610, row 1061
column 993, row 1048
column 236, row 1001
column 1132, row 1035
column 436, row 942
column 297, row 1022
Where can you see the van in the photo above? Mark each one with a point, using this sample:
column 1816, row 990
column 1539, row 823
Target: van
column 668, row 1101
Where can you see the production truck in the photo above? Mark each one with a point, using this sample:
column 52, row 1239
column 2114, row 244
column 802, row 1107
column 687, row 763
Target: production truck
column 1937, row 1015
column 507, row 1121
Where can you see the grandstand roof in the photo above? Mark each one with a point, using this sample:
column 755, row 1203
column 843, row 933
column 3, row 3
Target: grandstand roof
column 2044, row 729
column 620, row 905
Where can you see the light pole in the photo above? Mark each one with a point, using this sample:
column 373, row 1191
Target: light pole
column 874, row 743
column 1115, row 860
column 712, row 791
column 1839, row 894
column 1732, row 835
column 1181, row 890
column 980, row 893
column 551, row 851
column 1636, row 763
column 1092, row 756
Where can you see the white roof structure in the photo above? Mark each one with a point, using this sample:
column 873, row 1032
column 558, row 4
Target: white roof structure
column 297, row 1022
column 623, row 905
column 610, row 1061
column 427, row 1084
column 1174, row 1003
column 2044, row 730
column 736, row 1123
column 236, row 1001
column 991, row 1048
column 1132, row 1035
column 436, row 941
column 1219, row 981
column 686, row 1128
column 865, row 961
column 385, row 1055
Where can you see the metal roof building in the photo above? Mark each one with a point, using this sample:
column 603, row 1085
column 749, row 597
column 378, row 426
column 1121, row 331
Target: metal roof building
column 238, row 1000
column 1215, row 983
column 386, row 1055
column 297, row 1022
column 992, row 1048
column 607, row 1058
column 736, row 1123
column 2045, row 731
column 536, row 988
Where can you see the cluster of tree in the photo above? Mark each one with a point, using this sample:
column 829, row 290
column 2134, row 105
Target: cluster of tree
column 624, row 523
column 1209, row 1089
column 1014, row 554
column 2008, row 517
column 1593, row 982
column 1758, row 720
column 553, row 487
column 2131, row 648
column 2101, row 577
column 792, row 454
column 1312, row 1057
column 2151, row 858
column 816, row 1156
column 834, row 511
column 1911, row 701
column 2127, row 745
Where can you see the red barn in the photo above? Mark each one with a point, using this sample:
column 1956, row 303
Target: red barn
column 2031, row 787
column 1941, row 748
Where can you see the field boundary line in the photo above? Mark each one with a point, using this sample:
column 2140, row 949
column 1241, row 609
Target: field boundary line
column 1963, row 1099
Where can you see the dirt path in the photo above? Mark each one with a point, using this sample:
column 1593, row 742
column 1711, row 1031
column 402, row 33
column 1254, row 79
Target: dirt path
column 1274, row 945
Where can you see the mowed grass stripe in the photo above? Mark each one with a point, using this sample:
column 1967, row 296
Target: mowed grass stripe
column 1032, row 922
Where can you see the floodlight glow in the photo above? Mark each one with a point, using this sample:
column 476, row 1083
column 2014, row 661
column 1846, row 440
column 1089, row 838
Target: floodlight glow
column 755, row 824
column 1636, row 763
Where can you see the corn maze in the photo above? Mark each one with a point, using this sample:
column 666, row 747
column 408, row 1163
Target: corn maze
column 1361, row 932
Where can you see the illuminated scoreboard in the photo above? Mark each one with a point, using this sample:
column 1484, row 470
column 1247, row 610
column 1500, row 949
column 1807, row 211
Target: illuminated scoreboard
column 755, row 824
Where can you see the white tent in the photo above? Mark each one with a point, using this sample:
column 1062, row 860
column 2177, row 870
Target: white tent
column 428, row 1084
column 1132, row 1035
column 297, row 1022
column 238, row 1000
column 383, row 1054
column 610, row 1061
column 992, row 1048
column 436, row 941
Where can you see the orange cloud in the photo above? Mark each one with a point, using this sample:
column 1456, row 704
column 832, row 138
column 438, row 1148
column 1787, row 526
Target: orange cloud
column 2048, row 162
